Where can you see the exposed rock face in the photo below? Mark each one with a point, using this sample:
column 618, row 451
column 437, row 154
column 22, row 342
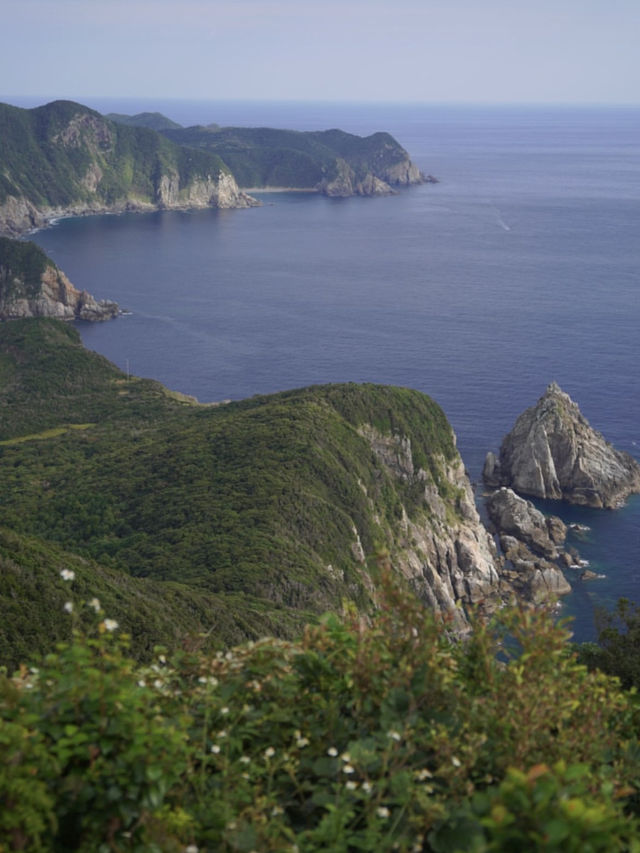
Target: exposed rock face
column 553, row 452
column 383, row 182
column 346, row 184
column 517, row 517
column 445, row 551
column 529, row 542
column 221, row 191
column 57, row 297
column 86, row 164
column 18, row 215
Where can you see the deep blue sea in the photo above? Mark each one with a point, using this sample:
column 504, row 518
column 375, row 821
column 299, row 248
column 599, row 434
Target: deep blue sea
column 520, row 267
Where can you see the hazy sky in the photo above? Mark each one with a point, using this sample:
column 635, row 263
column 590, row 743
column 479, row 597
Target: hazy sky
column 410, row 50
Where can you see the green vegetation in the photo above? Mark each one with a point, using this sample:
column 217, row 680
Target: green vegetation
column 253, row 505
column 153, row 121
column 617, row 650
column 262, row 157
column 22, row 265
column 132, row 516
column 376, row 737
column 64, row 154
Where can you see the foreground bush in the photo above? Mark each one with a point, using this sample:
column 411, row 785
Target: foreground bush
column 356, row 738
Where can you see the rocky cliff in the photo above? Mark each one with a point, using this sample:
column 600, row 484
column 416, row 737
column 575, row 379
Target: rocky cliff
column 531, row 544
column 65, row 159
column 332, row 162
column 32, row 286
column 553, row 452
column 442, row 548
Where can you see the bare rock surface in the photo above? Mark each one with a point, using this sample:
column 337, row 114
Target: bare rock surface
column 515, row 516
column 56, row 297
column 553, row 452
column 531, row 544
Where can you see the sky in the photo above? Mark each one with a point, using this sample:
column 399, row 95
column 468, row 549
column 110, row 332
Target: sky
column 433, row 51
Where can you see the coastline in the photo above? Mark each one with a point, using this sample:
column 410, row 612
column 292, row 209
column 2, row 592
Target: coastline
column 280, row 189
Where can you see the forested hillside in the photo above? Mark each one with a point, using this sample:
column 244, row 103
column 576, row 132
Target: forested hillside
column 273, row 503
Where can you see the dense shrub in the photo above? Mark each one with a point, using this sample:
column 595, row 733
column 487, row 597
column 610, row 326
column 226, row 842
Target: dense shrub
column 358, row 736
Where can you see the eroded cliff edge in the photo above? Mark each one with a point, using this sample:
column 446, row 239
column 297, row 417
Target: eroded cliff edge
column 553, row 452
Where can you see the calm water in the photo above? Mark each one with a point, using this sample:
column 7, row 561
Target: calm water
column 519, row 268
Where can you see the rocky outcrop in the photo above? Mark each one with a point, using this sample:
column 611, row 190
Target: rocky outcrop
column 348, row 183
column 443, row 550
column 52, row 295
column 530, row 542
column 19, row 216
column 449, row 558
column 553, row 452
column 345, row 183
column 220, row 191
column 517, row 517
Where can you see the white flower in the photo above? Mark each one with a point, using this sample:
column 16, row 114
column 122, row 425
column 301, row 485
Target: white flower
column 191, row 849
column 383, row 811
column 224, row 711
column 142, row 683
column 222, row 734
column 110, row 624
column 302, row 741
column 269, row 752
column 244, row 759
column 157, row 684
column 276, row 810
column 421, row 775
column 351, row 786
column 366, row 787
column 215, row 748
column 394, row 735
column 162, row 659
column 332, row 751
column 455, row 761
column 67, row 575
column 68, row 607
column 94, row 604
column 348, row 769
column 345, row 756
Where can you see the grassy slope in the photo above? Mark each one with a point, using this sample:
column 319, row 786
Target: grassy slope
column 257, row 498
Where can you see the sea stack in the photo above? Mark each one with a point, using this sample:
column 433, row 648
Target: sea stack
column 553, row 452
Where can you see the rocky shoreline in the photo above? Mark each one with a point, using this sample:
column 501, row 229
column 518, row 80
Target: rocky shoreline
column 19, row 216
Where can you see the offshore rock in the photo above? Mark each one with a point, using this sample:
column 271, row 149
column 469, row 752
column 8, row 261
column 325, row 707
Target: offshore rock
column 553, row 452
column 530, row 542
column 519, row 518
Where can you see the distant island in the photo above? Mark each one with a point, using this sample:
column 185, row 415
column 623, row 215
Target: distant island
column 65, row 159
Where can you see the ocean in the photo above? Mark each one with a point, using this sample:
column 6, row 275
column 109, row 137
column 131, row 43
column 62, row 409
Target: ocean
column 521, row 266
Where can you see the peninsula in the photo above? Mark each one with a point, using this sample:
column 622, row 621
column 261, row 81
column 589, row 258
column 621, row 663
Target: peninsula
column 65, row 159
